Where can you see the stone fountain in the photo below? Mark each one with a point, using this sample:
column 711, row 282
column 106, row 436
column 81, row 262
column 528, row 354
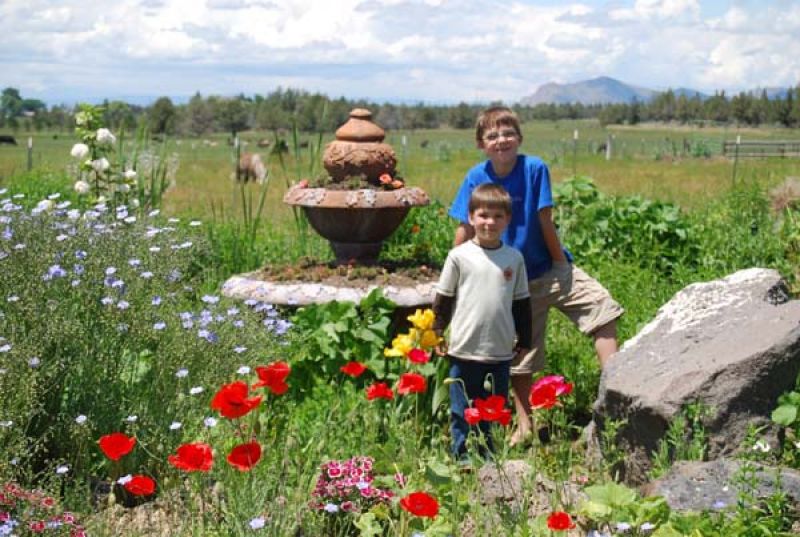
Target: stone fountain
column 361, row 203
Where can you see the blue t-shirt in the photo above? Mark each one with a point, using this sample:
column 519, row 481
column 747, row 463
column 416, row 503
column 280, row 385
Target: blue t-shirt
column 529, row 186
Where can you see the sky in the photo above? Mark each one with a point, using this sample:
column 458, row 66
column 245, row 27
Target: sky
column 433, row 51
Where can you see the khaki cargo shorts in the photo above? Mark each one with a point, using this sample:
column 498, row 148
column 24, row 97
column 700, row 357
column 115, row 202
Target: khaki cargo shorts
column 578, row 296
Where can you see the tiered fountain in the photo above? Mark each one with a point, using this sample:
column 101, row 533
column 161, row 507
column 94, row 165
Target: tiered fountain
column 360, row 205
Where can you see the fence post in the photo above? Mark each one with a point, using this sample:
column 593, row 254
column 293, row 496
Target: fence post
column 574, row 153
column 237, row 156
column 736, row 159
column 30, row 153
column 608, row 146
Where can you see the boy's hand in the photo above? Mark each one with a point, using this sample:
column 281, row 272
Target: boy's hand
column 441, row 349
column 520, row 352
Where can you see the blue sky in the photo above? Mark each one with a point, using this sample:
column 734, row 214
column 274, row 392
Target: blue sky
column 441, row 51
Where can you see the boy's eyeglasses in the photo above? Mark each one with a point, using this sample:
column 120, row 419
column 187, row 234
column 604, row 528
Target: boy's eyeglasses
column 496, row 135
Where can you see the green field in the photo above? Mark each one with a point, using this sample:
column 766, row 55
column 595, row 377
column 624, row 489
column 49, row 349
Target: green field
column 649, row 160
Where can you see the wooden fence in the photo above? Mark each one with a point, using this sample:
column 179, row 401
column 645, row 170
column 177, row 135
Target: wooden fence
column 761, row 148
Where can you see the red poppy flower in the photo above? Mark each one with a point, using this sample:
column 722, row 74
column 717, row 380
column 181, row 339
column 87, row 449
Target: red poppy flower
column 354, row 369
column 116, row 445
column 196, row 457
column 244, row 456
column 418, row 356
column 140, row 485
column 379, row 390
column 232, row 402
column 492, row 408
column 273, row 377
column 560, row 521
column 472, row 416
column 546, row 390
column 411, row 383
column 420, row 504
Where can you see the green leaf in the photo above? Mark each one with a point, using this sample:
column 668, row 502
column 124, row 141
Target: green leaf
column 368, row 525
column 785, row 415
column 611, row 494
column 437, row 472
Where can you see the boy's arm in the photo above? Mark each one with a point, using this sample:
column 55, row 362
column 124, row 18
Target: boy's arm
column 464, row 232
column 521, row 311
column 550, row 235
column 443, row 312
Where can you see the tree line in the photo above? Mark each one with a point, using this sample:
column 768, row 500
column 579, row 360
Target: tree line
column 314, row 112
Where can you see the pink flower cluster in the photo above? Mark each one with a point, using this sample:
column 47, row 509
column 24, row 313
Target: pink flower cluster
column 347, row 486
column 38, row 512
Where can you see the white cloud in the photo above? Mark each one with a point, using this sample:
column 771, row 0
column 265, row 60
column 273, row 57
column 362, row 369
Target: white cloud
column 407, row 49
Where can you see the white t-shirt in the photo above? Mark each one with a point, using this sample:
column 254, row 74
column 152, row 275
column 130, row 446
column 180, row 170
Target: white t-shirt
column 484, row 283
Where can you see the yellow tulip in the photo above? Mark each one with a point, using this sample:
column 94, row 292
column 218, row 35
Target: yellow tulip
column 429, row 339
column 422, row 320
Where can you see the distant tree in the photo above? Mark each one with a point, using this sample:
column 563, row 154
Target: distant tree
column 231, row 114
column 162, row 115
column 784, row 109
column 199, row 116
column 119, row 116
column 634, row 112
column 741, row 107
column 794, row 115
column 462, row 116
column 10, row 103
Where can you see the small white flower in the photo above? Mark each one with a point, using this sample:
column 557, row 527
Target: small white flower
column 182, row 372
column 244, row 370
column 100, row 165
column 195, row 223
column 45, row 205
column 153, row 213
column 80, row 420
column 123, row 188
column 331, row 508
column 130, row 220
column 130, row 175
column 196, row 390
column 80, row 151
column 132, row 418
column 761, row 445
column 361, row 485
column 623, row 527
column 175, row 425
column 6, row 424
column 105, row 137
column 63, row 469
column 125, row 479
column 647, row 527
column 155, row 249
column 210, row 422
column 257, row 523
column 34, row 361
column 240, row 349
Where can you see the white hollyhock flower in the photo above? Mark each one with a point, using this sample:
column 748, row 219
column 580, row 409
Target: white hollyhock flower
column 100, row 165
column 82, row 187
column 104, row 136
column 80, row 151
column 130, row 175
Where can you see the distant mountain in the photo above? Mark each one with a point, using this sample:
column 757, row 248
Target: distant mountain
column 601, row 90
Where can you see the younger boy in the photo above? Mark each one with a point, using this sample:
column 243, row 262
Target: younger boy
column 554, row 280
column 483, row 295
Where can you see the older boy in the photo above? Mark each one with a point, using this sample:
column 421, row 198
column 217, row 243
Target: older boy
column 554, row 280
column 483, row 295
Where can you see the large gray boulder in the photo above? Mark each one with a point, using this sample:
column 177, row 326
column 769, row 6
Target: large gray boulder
column 696, row 485
column 732, row 344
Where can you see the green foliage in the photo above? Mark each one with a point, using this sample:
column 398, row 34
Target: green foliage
column 685, row 439
column 424, row 237
column 335, row 333
column 594, row 225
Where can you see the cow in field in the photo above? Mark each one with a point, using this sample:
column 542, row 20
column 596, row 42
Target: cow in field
column 7, row 139
column 251, row 168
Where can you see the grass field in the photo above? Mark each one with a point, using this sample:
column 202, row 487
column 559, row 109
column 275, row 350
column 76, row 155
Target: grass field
column 649, row 160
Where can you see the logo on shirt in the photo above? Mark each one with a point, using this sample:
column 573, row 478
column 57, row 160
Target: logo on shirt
column 508, row 273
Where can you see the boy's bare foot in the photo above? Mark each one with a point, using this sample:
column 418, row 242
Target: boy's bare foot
column 522, row 436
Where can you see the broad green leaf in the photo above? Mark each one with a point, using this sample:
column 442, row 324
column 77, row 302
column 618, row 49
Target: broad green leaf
column 785, row 415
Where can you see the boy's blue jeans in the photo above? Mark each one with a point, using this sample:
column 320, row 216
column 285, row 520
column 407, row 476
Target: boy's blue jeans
column 473, row 374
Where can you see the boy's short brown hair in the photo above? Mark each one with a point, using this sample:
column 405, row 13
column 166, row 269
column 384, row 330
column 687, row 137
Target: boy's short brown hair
column 490, row 196
column 493, row 117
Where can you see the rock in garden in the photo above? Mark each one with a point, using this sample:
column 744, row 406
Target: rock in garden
column 695, row 485
column 731, row 344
